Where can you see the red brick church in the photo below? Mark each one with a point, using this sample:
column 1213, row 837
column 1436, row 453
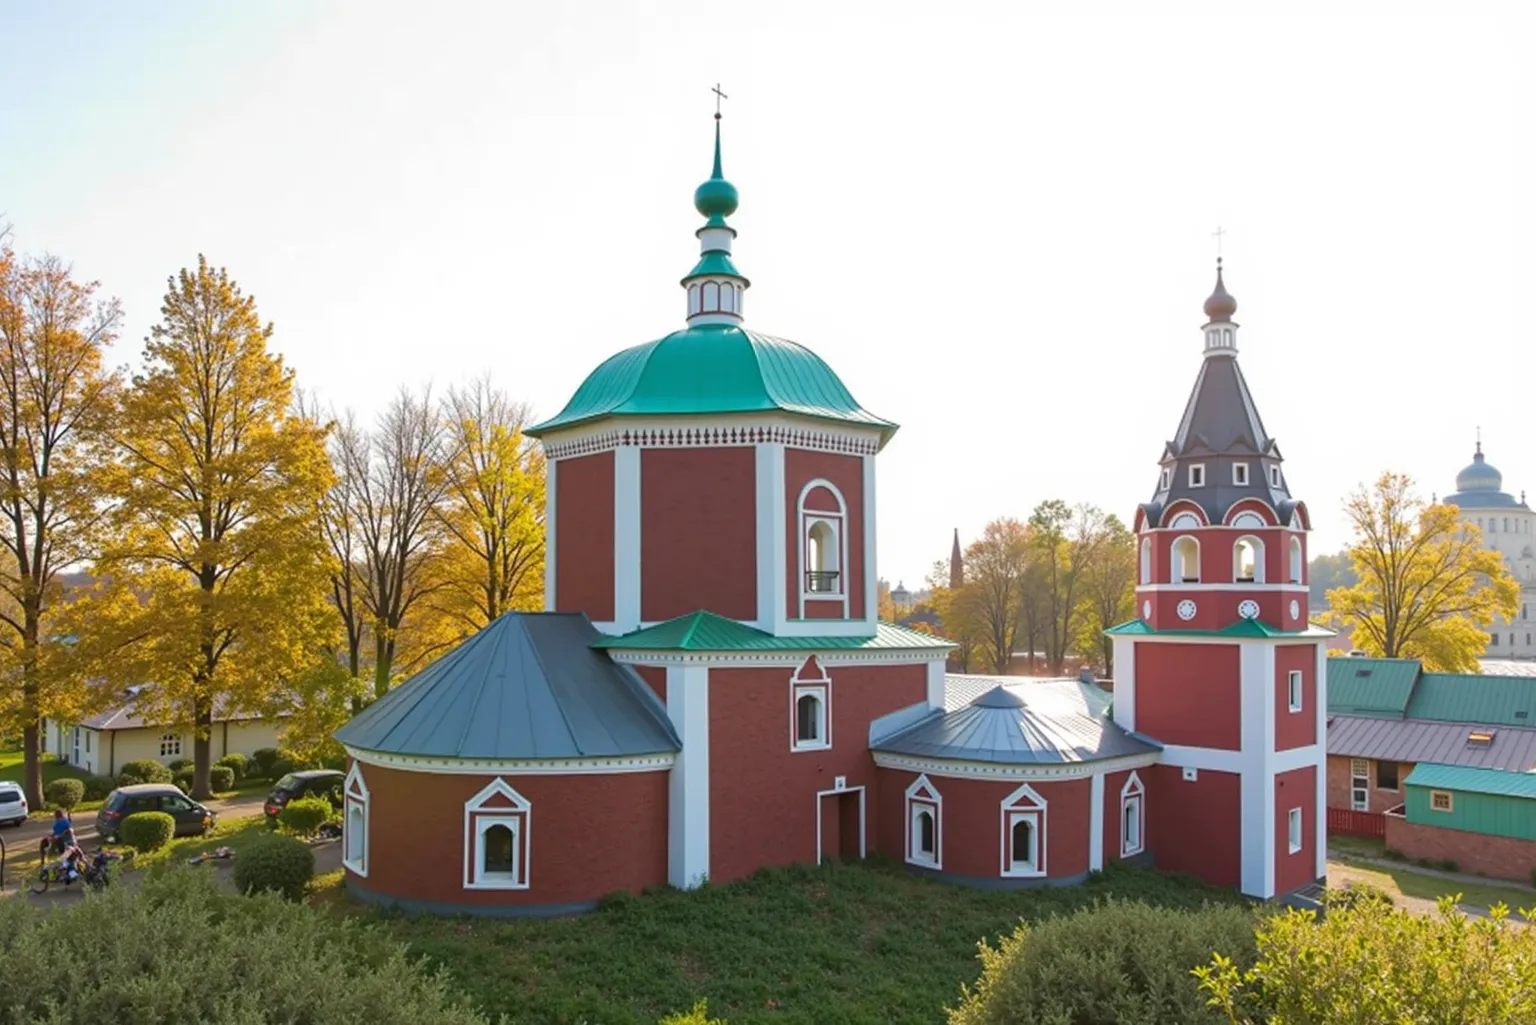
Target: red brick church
column 709, row 690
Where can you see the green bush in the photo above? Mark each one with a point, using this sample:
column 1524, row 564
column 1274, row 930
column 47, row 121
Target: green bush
column 177, row 764
column 147, row 831
column 1119, row 961
column 183, row 779
column 1371, row 963
column 699, row 1015
column 144, row 770
column 304, row 816
column 221, row 778
column 65, row 792
column 176, row 949
column 98, row 787
column 1354, row 891
column 237, row 762
column 277, row 863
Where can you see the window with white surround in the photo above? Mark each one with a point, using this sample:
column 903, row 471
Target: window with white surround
column 1146, row 560
column 1440, row 800
column 925, row 838
column 1186, row 561
column 1023, row 839
column 1185, row 521
column 1164, row 479
column 170, row 745
column 1293, row 830
column 1293, row 689
column 1133, row 824
column 810, row 708
column 1197, row 475
column 823, row 541
column 1248, row 560
column 1359, row 784
column 354, row 821
column 1296, row 562
column 1249, row 520
column 1240, row 474
column 496, row 839
column 1274, row 476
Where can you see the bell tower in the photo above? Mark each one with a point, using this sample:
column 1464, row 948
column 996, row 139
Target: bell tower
column 1221, row 665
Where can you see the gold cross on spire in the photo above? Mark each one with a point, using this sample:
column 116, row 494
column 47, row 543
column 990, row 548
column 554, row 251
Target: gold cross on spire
column 718, row 97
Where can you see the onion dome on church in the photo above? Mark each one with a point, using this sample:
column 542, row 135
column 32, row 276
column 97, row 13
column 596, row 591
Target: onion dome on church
column 528, row 686
column 1221, row 453
column 1480, row 486
column 714, row 365
column 1034, row 722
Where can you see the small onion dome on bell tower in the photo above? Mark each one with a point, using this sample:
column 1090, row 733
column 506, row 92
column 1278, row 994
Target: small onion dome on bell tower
column 715, row 286
column 1220, row 331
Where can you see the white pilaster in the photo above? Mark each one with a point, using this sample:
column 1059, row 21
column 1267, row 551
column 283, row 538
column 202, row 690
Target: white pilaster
column 1125, row 683
column 871, row 576
column 936, row 684
column 772, row 543
column 1096, row 824
column 1257, row 710
column 688, row 786
column 1321, row 845
column 551, row 480
column 626, row 538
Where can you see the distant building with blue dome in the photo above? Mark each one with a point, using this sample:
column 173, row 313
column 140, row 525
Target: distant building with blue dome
column 1509, row 526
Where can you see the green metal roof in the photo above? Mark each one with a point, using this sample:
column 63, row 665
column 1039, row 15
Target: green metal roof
column 1241, row 628
column 1377, row 687
column 705, row 631
column 1475, row 698
column 714, row 264
column 1470, row 780
column 709, row 369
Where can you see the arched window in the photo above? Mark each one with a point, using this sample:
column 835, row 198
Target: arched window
column 1133, row 818
column 693, row 300
column 1186, row 561
column 1023, row 825
column 1185, row 521
column 1248, row 560
column 1295, row 560
column 1251, row 521
column 810, row 695
column 807, row 720
column 823, row 523
column 354, row 825
column 496, row 839
column 924, row 824
column 711, row 297
column 1146, row 560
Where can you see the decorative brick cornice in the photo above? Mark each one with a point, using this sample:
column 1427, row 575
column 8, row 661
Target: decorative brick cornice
column 990, row 770
column 514, row 766
column 714, row 436
column 775, row 659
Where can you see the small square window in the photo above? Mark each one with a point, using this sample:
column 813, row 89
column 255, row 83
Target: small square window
column 1197, row 475
column 1440, row 800
column 1240, row 474
column 1294, row 830
column 1293, row 688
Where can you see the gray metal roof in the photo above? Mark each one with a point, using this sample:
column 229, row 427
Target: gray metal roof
column 129, row 717
column 1445, row 743
column 527, row 686
column 1017, row 721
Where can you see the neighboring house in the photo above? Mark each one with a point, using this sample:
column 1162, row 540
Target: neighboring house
column 102, row 744
column 1442, row 765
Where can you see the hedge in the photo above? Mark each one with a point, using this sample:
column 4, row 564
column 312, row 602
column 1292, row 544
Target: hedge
column 177, row 764
column 65, row 792
column 221, row 778
column 98, row 787
column 143, row 770
column 236, row 762
column 277, row 863
column 304, row 816
column 147, row 831
column 262, row 762
column 176, row 949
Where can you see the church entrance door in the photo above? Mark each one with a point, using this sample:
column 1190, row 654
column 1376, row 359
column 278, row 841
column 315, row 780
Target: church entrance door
column 840, row 824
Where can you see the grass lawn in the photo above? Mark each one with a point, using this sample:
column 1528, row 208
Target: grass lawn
column 1408, row 882
column 237, row 833
column 855, row 943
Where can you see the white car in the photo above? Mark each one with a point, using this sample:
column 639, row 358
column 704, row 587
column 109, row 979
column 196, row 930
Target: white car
column 13, row 804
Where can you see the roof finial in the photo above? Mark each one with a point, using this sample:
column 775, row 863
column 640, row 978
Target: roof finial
column 1479, row 440
column 1220, row 231
column 714, row 285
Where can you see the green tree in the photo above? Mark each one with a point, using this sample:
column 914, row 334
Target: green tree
column 1109, row 592
column 957, row 617
column 1426, row 587
column 56, row 400
column 217, row 494
column 1064, row 544
column 993, row 590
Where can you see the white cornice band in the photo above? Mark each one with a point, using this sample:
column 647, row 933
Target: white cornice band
column 514, row 766
column 991, row 770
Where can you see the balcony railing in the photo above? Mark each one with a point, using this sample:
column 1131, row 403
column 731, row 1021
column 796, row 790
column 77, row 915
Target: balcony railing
column 821, row 581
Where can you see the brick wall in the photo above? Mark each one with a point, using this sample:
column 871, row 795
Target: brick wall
column 1381, row 800
column 1502, row 857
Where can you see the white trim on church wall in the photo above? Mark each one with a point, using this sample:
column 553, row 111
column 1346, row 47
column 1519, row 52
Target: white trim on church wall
column 480, row 819
column 1320, row 750
column 1023, row 805
column 1245, row 586
column 870, row 542
column 354, row 821
column 551, row 489
column 772, row 534
column 514, row 766
column 863, row 824
column 626, row 538
column 922, row 795
column 936, row 684
column 776, row 659
column 838, row 523
column 1125, row 682
column 688, row 787
column 1096, row 823
column 956, row 769
column 716, row 431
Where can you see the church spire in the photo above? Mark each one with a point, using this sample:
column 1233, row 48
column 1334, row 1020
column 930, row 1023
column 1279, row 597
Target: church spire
column 1220, row 331
column 956, row 564
column 714, row 285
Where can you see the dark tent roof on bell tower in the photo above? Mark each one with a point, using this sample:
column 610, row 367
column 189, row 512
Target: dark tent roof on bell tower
column 1220, row 428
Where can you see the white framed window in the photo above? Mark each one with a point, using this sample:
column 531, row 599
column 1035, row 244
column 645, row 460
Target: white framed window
column 1185, row 521
column 1240, row 474
column 1146, row 560
column 1440, row 800
column 497, row 824
column 1186, row 561
column 1296, row 562
column 354, row 821
column 810, row 708
column 925, row 824
column 1023, row 829
column 1197, row 475
column 170, row 745
column 1133, row 817
column 1359, row 784
column 1250, row 520
column 1293, row 689
column 823, row 541
column 1248, row 561
column 1274, row 476
column 1293, row 830
column 1164, row 479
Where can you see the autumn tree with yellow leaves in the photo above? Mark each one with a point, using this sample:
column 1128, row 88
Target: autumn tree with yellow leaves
column 56, row 398
column 1427, row 587
column 218, row 488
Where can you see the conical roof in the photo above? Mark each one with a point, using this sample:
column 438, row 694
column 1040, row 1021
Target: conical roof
column 528, row 686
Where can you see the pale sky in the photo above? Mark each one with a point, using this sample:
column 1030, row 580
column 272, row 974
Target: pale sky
column 993, row 220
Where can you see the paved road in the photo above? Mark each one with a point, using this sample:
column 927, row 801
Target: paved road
column 24, row 838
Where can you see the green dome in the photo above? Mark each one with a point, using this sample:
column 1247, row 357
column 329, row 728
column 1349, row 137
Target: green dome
column 715, row 197
column 711, row 369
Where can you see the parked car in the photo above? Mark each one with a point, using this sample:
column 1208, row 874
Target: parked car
column 326, row 783
column 192, row 819
column 13, row 804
